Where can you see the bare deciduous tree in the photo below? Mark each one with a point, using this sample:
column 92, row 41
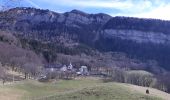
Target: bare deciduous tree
column 2, row 74
column 31, row 69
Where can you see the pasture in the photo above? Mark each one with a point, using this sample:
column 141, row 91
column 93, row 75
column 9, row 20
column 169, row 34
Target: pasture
column 82, row 88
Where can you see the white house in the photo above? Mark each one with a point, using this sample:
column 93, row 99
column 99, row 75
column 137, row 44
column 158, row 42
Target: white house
column 83, row 70
column 64, row 68
column 70, row 67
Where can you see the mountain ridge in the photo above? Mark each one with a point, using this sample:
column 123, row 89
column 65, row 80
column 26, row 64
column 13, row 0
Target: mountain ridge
column 79, row 32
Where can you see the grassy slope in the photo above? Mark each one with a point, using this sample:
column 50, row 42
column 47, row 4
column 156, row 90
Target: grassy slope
column 87, row 89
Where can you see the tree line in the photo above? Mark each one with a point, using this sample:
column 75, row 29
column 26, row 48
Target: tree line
column 136, row 77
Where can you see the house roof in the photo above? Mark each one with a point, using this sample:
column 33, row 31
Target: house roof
column 53, row 66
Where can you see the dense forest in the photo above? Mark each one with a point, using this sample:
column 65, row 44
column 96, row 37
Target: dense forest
column 146, row 25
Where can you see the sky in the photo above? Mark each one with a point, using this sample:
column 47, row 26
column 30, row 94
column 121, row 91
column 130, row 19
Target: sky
column 157, row 9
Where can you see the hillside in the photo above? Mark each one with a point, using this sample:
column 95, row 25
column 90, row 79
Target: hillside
column 13, row 57
column 75, row 33
column 85, row 88
column 32, row 37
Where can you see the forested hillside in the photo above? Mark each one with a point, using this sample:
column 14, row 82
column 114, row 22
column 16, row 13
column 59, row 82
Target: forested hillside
column 40, row 36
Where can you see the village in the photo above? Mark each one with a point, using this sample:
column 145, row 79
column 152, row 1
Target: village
column 59, row 71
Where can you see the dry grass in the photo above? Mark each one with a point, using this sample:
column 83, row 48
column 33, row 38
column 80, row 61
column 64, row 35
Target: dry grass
column 153, row 92
column 89, row 88
column 7, row 93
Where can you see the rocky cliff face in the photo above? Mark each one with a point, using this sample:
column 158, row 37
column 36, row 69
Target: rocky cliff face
column 69, row 18
column 77, row 32
column 138, row 30
column 30, row 19
column 138, row 36
column 70, row 25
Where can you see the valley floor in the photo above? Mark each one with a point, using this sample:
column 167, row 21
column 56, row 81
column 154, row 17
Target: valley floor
column 89, row 88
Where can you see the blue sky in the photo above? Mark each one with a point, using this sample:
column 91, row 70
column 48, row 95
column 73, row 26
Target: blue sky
column 159, row 9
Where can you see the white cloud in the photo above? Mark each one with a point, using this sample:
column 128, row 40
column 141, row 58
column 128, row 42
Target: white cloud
column 160, row 12
column 92, row 3
column 32, row 3
column 1, row 6
column 127, row 6
column 103, row 4
column 135, row 8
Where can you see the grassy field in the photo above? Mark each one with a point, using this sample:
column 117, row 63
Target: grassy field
column 79, row 89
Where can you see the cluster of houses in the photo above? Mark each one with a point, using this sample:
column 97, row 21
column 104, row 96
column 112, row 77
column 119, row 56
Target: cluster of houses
column 59, row 71
column 63, row 71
